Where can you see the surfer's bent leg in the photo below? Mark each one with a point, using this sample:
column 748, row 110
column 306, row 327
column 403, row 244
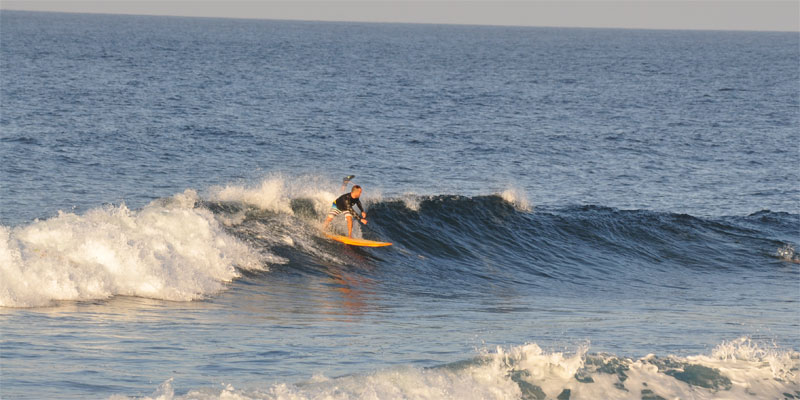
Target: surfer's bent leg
column 349, row 217
column 331, row 214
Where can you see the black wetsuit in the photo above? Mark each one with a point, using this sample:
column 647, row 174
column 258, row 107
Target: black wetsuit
column 346, row 202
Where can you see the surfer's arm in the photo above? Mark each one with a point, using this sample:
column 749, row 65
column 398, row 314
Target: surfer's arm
column 361, row 207
column 363, row 212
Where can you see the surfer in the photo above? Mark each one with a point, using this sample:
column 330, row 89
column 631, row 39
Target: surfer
column 344, row 204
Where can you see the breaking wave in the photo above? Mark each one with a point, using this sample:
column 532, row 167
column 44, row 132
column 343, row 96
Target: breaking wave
column 168, row 250
column 188, row 247
column 740, row 369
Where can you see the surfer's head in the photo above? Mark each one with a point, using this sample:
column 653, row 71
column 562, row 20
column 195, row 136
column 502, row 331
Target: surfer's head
column 355, row 191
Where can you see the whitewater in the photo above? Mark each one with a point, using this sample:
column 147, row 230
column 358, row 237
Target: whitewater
column 734, row 370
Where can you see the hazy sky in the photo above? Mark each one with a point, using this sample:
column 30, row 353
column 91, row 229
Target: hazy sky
column 655, row 14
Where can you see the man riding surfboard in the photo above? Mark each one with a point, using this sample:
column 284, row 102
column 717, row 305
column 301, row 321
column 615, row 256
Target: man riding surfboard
column 344, row 204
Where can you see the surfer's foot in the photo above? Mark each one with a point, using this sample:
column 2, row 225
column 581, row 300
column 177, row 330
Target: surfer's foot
column 348, row 178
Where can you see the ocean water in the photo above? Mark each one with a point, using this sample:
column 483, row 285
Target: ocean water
column 576, row 213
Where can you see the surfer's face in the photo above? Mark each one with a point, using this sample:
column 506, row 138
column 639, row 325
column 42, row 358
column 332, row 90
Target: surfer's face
column 356, row 193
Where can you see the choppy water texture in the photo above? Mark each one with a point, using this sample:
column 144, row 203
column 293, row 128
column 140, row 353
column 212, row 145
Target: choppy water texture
column 576, row 214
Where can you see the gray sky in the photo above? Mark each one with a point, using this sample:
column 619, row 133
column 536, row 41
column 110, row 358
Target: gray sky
column 652, row 14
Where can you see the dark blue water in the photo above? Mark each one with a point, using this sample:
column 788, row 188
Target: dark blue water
column 575, row 213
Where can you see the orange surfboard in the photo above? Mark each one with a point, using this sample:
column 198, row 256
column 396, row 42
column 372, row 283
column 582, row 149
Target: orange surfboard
column 357, row 242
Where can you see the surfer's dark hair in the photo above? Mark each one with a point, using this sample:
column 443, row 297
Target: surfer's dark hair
column 354, row 188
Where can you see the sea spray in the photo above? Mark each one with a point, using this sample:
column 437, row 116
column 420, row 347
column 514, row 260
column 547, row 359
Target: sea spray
column 269, row 194
column 277, row 193
column 517, row 198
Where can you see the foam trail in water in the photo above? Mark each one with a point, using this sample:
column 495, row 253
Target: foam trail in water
column 735, row 370
column 168, row 250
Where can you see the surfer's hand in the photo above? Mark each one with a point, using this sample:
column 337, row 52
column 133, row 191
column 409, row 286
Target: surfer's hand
column 364, row 221
column 363, row 215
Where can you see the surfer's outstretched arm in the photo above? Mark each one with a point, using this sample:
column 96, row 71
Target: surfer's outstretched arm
column 345, row 181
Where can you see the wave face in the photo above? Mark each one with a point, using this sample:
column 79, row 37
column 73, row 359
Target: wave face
column 734, row 370
column 489, row 238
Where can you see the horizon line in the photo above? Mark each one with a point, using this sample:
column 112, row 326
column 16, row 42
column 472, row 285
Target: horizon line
column 429, row 20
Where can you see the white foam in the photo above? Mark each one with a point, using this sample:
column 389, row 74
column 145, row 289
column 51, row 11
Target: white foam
column 529, row 372
column 168, row 250
column 744, row 354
